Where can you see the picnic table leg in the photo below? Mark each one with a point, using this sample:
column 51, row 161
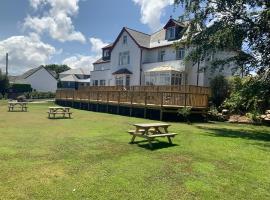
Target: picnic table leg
column 169, row 139
column 132, row 139
column 150, row 143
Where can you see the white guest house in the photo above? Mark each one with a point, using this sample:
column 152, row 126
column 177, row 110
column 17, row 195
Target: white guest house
column 136, row 58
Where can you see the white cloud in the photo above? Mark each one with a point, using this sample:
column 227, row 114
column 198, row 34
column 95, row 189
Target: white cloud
column 25, row 52
column 152, row 10
column 81, row 61
column 57, row 21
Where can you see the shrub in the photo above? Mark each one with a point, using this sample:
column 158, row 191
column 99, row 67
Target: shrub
column 185, row 112
column 20, row 88
column 42, row 95
column 249, row 94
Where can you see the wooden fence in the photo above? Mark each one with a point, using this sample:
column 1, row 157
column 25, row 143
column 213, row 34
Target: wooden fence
column 157, row 96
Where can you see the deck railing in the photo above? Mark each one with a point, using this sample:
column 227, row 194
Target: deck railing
column 170, row 96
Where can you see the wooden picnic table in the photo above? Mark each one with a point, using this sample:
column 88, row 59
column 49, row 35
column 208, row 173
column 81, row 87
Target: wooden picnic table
column 14, row 104
column 150, row 131
column 56, row 110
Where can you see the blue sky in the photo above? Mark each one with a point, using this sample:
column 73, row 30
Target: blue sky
column 36, row 32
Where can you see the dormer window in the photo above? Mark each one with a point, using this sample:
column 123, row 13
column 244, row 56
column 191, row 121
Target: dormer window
column 124, row 39
column 170, row 33
column 106, row 53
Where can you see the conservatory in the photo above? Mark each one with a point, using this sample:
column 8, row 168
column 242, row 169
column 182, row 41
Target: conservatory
column 165, row 75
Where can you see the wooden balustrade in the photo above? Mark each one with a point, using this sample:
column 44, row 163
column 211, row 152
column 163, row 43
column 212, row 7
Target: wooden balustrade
column 161, row 96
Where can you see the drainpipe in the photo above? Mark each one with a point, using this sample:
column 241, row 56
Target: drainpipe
column 140, row 67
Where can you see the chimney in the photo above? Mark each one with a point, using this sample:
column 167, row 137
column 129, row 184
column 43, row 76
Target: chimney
column 6, row 64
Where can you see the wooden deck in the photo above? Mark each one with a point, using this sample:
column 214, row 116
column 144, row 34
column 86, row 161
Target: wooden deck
column 163, row 98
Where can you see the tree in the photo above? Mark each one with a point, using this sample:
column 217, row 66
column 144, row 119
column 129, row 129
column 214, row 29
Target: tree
column 242, row 26
column 4, row 83
column 57, row 68
column 220, row 89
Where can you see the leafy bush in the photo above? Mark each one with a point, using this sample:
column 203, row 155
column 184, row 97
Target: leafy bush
column 185, row 112
column 220, row 90
column 214, row 115
column 42, row 95
column 249, row 94
column 20, row 88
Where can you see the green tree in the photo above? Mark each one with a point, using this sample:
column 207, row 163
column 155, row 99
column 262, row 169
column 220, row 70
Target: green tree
column 242, row 26
column 4, row 83
column 57, row 68
column 220, row 89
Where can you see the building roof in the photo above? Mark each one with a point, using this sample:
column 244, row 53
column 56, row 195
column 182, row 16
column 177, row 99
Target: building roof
column 25, row 75
column 78, row 71
column 163, row 69
column 142, row 39
column 73, row 78
column 99, row 61
column 122, row 71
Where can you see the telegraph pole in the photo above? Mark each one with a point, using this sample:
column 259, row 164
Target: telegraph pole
column 6, row 64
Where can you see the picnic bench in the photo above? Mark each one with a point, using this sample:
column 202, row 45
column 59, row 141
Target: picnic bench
column 21, row 106
column 53, row 111
column 150, row 131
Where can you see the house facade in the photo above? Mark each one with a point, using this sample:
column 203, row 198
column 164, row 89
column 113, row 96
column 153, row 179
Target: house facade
column 40, row 79
column 136, row 58
column 74, row 78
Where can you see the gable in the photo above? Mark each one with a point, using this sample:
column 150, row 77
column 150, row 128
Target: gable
column 38, row 71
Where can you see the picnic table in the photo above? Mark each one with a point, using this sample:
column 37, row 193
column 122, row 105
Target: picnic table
column 22, row 106
column 59, row 111
column 150, row 131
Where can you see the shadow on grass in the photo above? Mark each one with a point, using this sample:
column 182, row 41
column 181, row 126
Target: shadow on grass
column 249, row 135
column 155, row 143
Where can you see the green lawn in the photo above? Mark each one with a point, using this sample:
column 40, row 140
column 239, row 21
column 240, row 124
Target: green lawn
column 88, row 157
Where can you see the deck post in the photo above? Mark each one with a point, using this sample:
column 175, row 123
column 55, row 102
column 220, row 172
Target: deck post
column 118, row 103
column 131, row 102
column 88, row 101
column 97, row 101
column 107, row 107
column 145, row 104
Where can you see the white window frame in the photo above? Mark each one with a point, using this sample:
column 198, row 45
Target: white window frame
column 106, row 53
column 171, row 32
column 124, row 39
column 180, row 54
column 119, row 80
column 102, row 82
column 161, row 55
column 124, row 58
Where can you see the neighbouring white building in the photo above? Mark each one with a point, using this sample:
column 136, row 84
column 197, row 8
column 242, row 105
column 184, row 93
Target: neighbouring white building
column 74, row 78
column 40, row 79
column 136, row 58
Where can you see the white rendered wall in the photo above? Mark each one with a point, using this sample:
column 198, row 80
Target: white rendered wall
column 42, row 81
column 134, row 53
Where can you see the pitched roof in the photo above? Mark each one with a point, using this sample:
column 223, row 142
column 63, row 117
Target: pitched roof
column 73, row 78
column 163, row 69
column 122, row 71
column 142, row 39
column 30, row 72
column 99, row 61
column 78, row 71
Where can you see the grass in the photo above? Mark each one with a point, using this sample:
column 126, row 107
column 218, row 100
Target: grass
column 88, row 157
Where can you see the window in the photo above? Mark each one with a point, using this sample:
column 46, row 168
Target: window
column 124, row 39
column 106, row 53
column 119, row 81
column 163, row 78
column 170, row 33
column 102, row 82
column 180, row 54
column 161, row 56
column 176, row 79
column 124, row 58
column 95, row 83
